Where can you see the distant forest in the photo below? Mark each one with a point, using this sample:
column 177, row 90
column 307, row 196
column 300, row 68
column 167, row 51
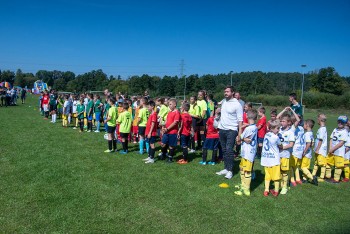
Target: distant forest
column 325, row 80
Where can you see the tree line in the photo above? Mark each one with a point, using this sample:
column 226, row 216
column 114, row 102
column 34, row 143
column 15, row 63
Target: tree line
column 325, row 80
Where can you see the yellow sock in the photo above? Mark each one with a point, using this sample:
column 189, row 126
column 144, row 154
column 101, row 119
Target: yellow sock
column 297, row 174
column 323, row 172
column 248, row 180
column 284, row 179
column 346, row 171
column 291, row 176
column 277, row 185
column 307, row 173
column 328, row 172
column 314, row 171
column 242, row 177
column 267, row 185
column 337, row 173
column 85, row 122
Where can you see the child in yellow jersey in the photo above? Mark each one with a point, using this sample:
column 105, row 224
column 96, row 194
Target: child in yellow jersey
column 163, row 111
column 195, row 113
column 111, row 122
column 336, row 151
column 203, row 117
column 142, row 121
column 307, row 153
column 124, row 121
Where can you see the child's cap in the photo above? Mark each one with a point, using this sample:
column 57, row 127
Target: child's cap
column 120, row 100
column 343, row 119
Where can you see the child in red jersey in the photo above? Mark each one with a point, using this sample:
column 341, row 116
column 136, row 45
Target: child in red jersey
column 262, row 129
column 151, row 132
column 185, row 132
column 170, row 131
column 211, row 142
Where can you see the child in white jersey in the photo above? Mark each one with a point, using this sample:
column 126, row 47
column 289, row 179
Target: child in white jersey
column 307, row 153
column 248, row 152
column 347, row 156
column 287, row 139
column 270, row 158
column 320, row 148
column 336, row 150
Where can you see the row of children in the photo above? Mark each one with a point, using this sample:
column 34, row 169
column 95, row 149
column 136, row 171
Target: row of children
column 287, row 147
column 165, row 121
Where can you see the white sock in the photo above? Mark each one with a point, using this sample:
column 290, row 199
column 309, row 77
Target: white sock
column 54, row 118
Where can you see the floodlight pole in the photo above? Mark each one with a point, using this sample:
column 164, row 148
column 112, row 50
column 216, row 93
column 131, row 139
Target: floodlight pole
column 302, row 85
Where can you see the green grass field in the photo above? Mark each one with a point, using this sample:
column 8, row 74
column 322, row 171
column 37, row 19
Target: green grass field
column 56, row 180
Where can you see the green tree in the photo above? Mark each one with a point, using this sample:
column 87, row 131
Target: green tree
column 328, row 81
column 167, row 86
column 8, row 76
column 19, row 78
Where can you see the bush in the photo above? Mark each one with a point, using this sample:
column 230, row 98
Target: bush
column 311, row 99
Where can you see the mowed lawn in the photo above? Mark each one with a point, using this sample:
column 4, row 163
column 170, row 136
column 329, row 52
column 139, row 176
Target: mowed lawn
column 58, row 180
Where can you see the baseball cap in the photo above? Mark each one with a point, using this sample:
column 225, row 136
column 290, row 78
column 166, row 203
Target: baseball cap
column 120, row 100
column 343, row 119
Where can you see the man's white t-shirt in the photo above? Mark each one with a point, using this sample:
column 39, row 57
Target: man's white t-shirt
column 231, row 114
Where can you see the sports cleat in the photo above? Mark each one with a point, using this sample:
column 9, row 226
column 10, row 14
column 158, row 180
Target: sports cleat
column 170, row 160
column 211, row 163
column 88, row 130
column 182, row 161
column 238, row 186
column 75, row 128
column 294, row 184
column 191, row 151
column 266, row 193
column 284, row 191
column 222, row 172
column 123, row 152
column 203, row 163
column 345, row 180
column 243, row 192
column 229, row 175
column 314, row 180
column 332, row 181
column 146, row 159
column 150, row 161
column 273, row 192
column 299, row 182
column 97, row 131
column 109, row 151
column 320, row 180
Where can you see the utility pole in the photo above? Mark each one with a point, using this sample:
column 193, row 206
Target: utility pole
column 182, row 65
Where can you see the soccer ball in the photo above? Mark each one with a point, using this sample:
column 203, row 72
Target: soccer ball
column 105, row 136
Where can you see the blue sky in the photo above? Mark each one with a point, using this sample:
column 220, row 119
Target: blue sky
column 151, row 37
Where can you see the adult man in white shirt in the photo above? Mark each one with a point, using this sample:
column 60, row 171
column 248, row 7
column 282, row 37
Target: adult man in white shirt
column 230, row 128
